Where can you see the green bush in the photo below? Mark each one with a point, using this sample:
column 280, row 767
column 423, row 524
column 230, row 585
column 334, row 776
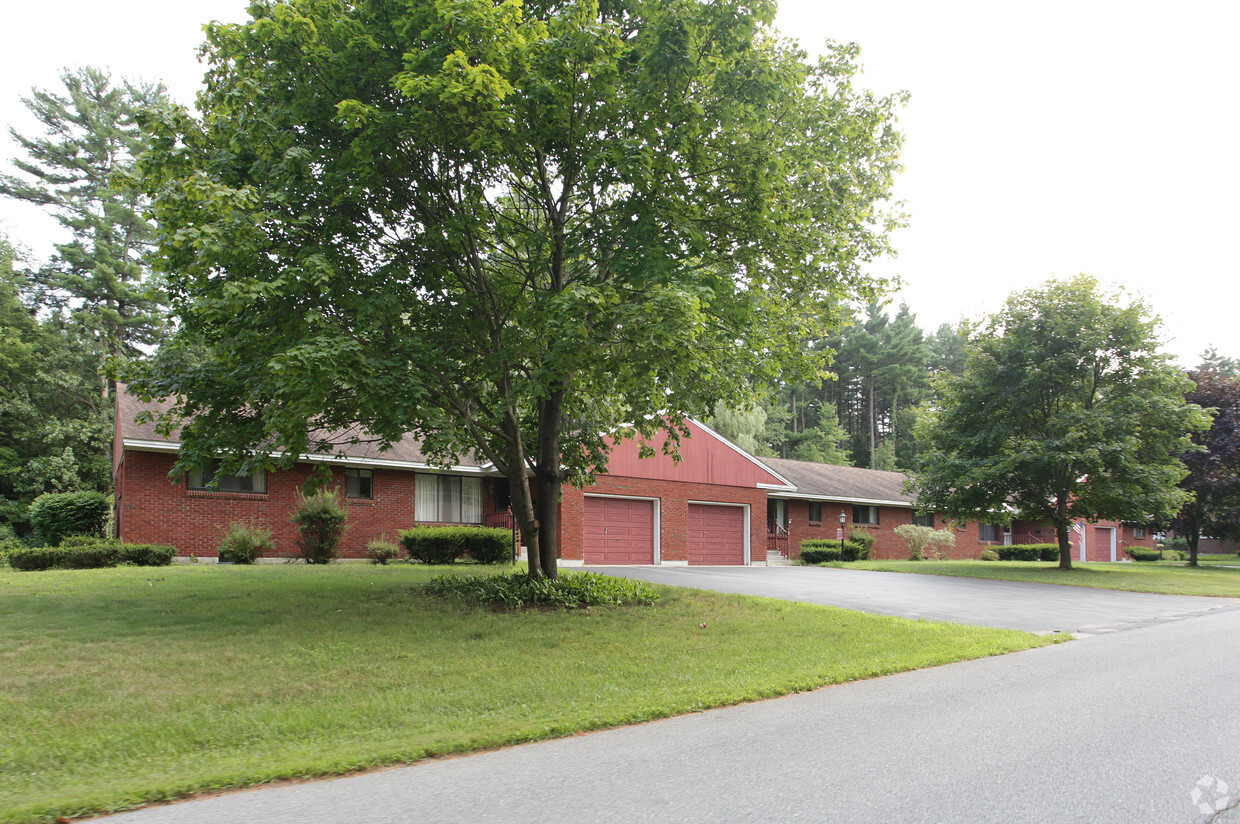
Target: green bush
column 572, row 590
column 8, row 542
column 444, row 544
column 823, row 550
column 1028, row 552
column 816, row 551
column 381, row 551
column 320, row 520
column 988, row 555
column 102, row 553
column 147, row 554
column 57, row 516
column 1172, row 554
column 1142, row 554
column 863, row 537
column 244, row 543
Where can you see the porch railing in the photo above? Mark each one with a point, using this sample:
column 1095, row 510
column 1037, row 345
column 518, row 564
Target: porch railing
column 777, row 539
column 504, row 520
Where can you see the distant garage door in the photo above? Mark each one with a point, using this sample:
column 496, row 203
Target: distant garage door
column 716, row 534
column 619, row 531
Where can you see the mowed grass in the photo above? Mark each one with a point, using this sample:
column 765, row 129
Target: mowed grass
column 126, row 686
column 1158, row 576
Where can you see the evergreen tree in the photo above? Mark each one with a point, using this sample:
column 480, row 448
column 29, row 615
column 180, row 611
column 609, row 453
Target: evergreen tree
column 76, row 170
column 1214, row 363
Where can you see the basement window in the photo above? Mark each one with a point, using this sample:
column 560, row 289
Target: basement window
column 212, row 480
column 359, row 484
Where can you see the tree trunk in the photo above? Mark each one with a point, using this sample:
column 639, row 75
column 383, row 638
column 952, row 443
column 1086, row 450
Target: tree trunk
column 873, row 424
column 1194, row 539
column 548, row 480
column 1061, row 531
column 522, row 501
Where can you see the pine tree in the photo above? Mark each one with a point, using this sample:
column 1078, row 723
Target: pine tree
column 76, row 170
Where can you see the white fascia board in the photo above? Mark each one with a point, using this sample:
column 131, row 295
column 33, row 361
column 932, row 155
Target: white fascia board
column 800, row 496
column 786, row 483
column 342, row 460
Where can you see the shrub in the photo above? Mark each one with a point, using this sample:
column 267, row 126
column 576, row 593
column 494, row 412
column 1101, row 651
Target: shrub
column 1142, row 554
column 926, row 542
column 989, row 555
column 1172, row 554
column 382, row 551
column 243, row 543
column 820, row 551
column 8, row 542
column 863, row 537
column 147, row 554
column 59, row 515
column 572, row 590
column 444, row 544
column 320, row 520
column 1028, row 552
column 97, row 555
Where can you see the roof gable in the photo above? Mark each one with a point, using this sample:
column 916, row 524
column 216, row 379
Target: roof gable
column 706, row 457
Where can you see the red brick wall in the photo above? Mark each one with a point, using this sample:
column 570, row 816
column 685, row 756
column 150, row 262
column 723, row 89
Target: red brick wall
column 674, row 497
column 887, row 546
column 153, row 509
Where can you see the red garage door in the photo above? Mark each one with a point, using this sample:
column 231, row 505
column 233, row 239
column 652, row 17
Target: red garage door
column 619, row 531
column 716, row 534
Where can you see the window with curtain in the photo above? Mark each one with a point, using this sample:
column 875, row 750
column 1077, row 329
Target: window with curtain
column 865, row 515
column 923, row 519
column 447, row 499
column 990, row 532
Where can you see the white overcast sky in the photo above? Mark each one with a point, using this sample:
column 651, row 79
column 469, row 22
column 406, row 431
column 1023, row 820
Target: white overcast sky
column 1042, row 139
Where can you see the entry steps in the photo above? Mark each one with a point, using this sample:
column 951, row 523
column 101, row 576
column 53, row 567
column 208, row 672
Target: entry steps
column 776, row 558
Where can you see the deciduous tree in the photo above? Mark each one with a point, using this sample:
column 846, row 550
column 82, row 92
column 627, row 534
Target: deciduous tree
column 508, row 228
column 1066, row 410
column 1213, row 478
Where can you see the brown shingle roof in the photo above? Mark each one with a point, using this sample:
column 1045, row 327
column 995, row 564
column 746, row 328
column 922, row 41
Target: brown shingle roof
column 841, row 483
column 406, row 451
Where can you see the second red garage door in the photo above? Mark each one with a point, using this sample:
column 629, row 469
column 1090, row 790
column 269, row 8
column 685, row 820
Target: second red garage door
column 619, row 531
column 716, row 534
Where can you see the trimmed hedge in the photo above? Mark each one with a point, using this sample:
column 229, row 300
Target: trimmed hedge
column 57, row 516
column 1028, row 552
column 822, row 550
column 96, row 555
column 445, row 544
column 1140, row 554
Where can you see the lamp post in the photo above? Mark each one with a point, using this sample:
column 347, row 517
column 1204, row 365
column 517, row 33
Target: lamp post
column 841, row 535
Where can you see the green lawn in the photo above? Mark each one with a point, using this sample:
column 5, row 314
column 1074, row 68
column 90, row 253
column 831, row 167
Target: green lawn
column 125, row 686
column 1158, row 576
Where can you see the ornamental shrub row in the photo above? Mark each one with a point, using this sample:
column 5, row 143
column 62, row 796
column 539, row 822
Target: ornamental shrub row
column 1028, row 552
column 1140, row 554
column 822, row 550
column 90, row 555
column 572, row 590
column 445, row 544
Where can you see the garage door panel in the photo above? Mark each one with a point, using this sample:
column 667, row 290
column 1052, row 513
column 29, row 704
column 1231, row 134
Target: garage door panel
column 619, row 531
column 716, row 534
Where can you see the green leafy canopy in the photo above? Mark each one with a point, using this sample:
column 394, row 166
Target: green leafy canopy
column 1066, row 410
column 508, row 228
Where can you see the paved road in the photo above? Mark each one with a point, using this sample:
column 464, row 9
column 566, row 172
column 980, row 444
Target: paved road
column 1137, row 721
column 1043, row 608
column 1116, row 728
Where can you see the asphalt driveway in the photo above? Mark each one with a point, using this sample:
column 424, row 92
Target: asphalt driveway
column 1042, row 608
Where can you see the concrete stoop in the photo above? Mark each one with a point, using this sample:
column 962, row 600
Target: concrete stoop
column 774, row 558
